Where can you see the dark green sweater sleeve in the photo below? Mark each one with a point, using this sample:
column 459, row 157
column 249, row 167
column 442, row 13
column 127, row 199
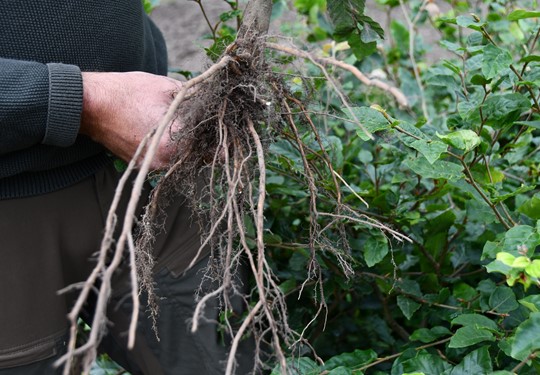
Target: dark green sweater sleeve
column 39, row 104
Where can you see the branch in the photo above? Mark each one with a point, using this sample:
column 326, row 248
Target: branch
column 411, row 23
column 394, row 91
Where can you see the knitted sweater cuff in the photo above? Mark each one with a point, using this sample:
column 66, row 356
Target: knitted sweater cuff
column 65, row 105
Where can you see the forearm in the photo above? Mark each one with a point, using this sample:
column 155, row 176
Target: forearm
column 39, row 104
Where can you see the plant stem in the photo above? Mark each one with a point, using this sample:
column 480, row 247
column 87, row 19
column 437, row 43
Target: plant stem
column 472, row 182
column 533, row 44
column 400, row 98
column 212, row 29
column 411, row 25
column 384, row 359
column 522, row 363
column 528, row 87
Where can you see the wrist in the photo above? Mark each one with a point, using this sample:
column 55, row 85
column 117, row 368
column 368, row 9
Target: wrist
column 93, row 105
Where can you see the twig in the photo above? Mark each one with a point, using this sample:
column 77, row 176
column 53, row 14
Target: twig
column 395, row 92
column 522, row 363
column 382, row 360
column 412, row 24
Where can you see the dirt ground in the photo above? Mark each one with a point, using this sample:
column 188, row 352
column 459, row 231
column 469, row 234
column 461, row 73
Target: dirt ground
column 183, row 26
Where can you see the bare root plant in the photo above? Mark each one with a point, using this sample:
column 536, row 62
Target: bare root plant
column 231, row 114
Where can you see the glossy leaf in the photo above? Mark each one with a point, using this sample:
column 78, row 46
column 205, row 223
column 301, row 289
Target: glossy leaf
column 353, row 359
column 531, row 302
column 470, row 335
column 425, row 363
column 440, row 169
column 427, row 335
column 503, row 300
column 375, row 249
column 476, row 320
column 520, row 14
column 476, row 362
column 407, row 306
column 432, row 150
column 495, row 60
column 370, row 118
column 526, row 339
column 465, row 140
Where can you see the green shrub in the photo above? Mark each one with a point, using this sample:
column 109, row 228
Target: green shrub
column 456, row 172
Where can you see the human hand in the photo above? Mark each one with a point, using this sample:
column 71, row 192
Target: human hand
column 119, row 109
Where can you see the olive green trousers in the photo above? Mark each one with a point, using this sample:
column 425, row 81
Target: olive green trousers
column 47, row 243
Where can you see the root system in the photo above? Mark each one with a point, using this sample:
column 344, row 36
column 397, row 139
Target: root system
column 230, row 114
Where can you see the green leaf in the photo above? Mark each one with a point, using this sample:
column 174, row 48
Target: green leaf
column 410, row 287
column 226, row 16
column 503, row 300
column 299, row 366
column 532, row 124
column 479, row 80
column 504, row 109
column 530, row 58
column 495, row 60
column 476, row 320
column 307, row 6
column 520, row 14
column 469, row 22
column 149, row 5
column 343, row 15
column 469, row 109
column 453, row 47
column 465, row 140
column 352, row 25
column 407, row 306
column 521, row 262
column 426, row 335
column 476, row 362
column 120, row 165
column 533, row 269
column 354, row 359
column 375, row 249
column 506, row 258
column 498, row 266
column 400, row 33
column 470, row 335
column 520, row 190
column 531, row 302
column 340, row 371
column 371, row 30
column 521, row 240
column 370, row 118
column 432, row 150
column 438, row 170
column 425, row 363
column 526, row 338
column 360, row 48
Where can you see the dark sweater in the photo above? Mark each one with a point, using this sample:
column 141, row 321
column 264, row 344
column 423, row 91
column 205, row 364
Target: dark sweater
column 44, row 46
